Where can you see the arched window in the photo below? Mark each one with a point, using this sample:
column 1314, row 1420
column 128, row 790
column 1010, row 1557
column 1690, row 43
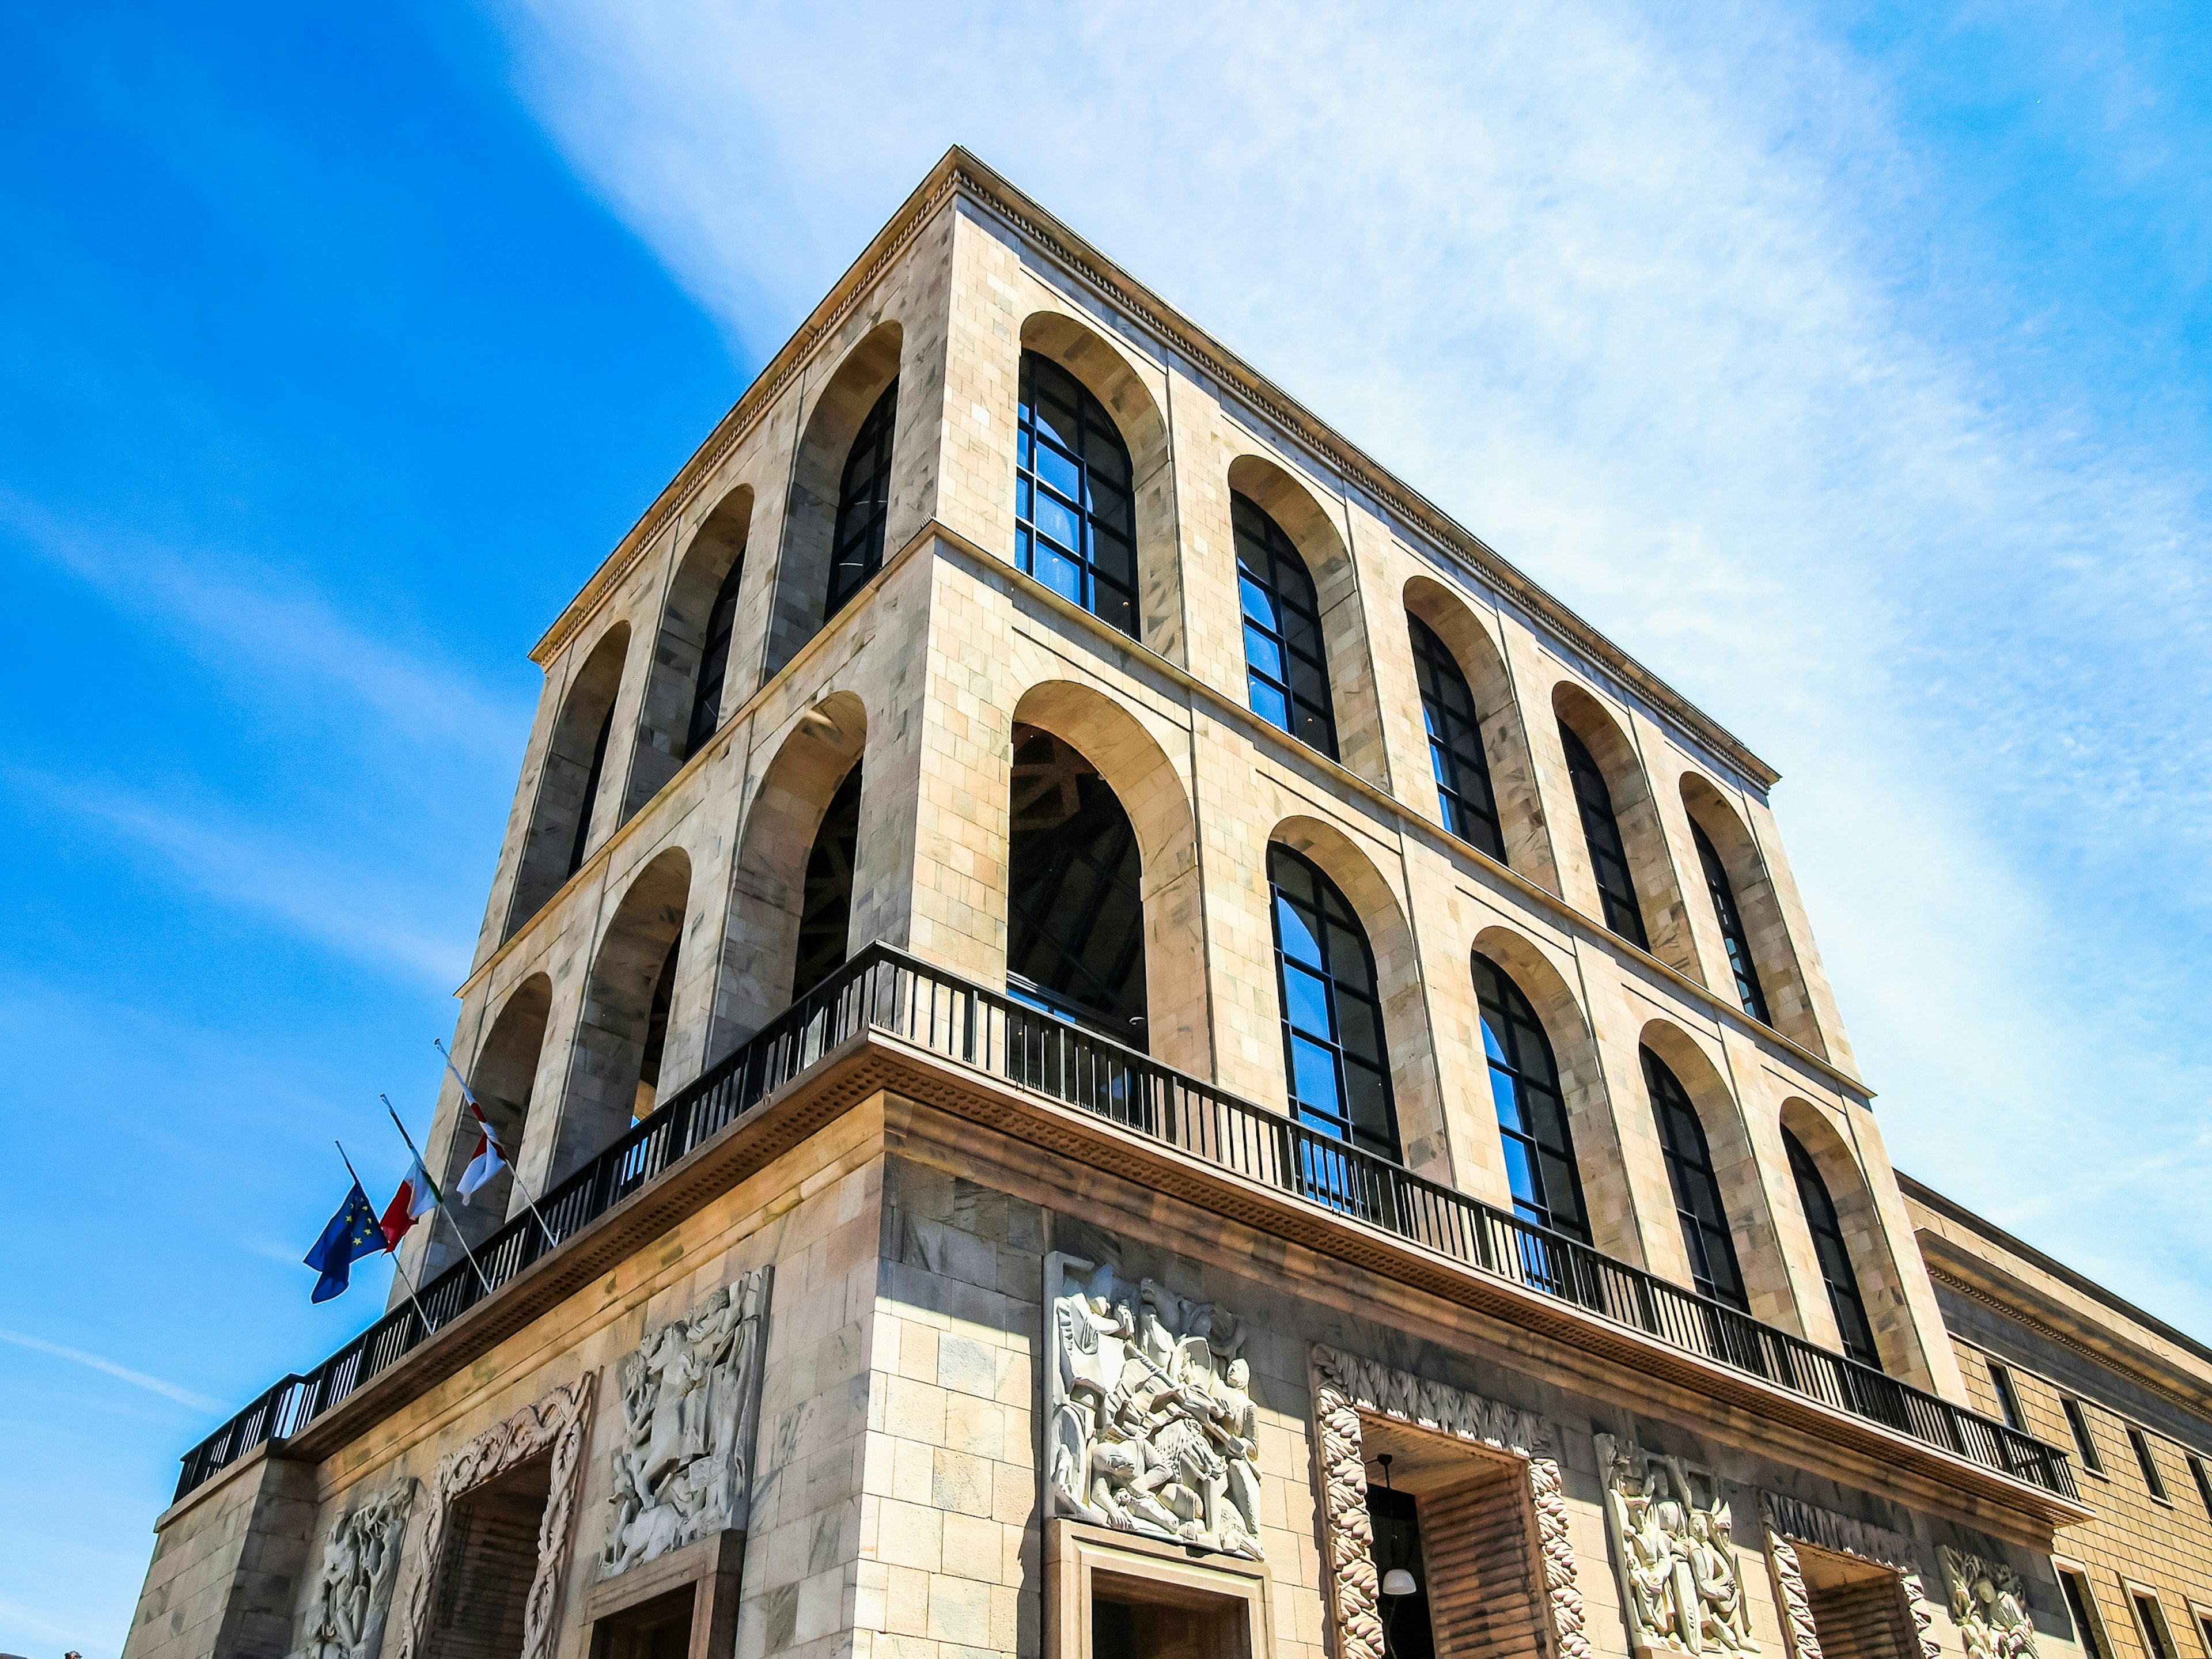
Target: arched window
column 1608, row 856
column 864, row 495
column 1747, row 989
column 1285, row 668
column 1075, row 517
column 1705, row 1234
column 1532, row 1114
column 1340, row 1078
column 714, row 662
column 1076, row 914
column 825, row 917
column 1844, row 1297
column 1470, row 807
column 656, row 1032
column 583, row 840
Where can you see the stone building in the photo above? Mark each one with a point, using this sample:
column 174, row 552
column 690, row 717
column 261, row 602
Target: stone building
column 2062, row 1357
column 1117, row 1040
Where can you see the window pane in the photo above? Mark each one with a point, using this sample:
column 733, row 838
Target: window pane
column 1313, row 1073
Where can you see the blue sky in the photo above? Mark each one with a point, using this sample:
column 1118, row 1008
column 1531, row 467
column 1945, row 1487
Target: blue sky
column 1846, row 363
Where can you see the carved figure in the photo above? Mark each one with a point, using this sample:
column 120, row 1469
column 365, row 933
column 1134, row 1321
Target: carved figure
column 353, row 1585
column 1989, row 1604
column 1152, row 1429
column 1674, row 1536
column 690, row 1411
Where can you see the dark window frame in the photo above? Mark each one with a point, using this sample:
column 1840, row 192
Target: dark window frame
column 1833, row 1251
column 1608, row 849
column 1285, row 658
column 2081, row 1604
column 582, row 846
column 713, row 661
column 825, row 910
column 1734, row 936
column 1524, row 1080
column 2153, row 1482
column 1075, row 501
column 864, row 492
column 2008, row 1394
column 1353, row 1012
column 2197, row 1472
column 2077, row 1420
column 2151, row 1620
column 1464, row 792
column 1709, row 1240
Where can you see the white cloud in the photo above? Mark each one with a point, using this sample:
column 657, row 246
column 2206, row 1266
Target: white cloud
column 1645, row 300
column 198, row 1402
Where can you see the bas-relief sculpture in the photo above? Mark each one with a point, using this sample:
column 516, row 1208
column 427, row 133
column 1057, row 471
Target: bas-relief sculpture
column 350, row 1594
column 690, row 1395
column 1790, row 1522
column 1346, row 1385
column 1153, row 1428
column 1673, row 1534
column 1989, row 1604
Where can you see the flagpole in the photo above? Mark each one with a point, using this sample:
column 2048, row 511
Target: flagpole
column 437, row 1193
column 514, row 1164
column 392, row 1250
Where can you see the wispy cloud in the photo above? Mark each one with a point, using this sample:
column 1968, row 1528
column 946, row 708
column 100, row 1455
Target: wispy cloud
column 198, row 1402
column 1646, row 299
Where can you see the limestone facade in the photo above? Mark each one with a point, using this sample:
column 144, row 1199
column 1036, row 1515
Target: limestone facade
column 2138, row 1389
column 909, row 1419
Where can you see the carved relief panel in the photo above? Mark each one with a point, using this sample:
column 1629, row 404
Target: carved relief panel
column 690, row 1396
column 1673, row 1535
column 350, row 1594
column 1151, row 1426
column 1989, row 1604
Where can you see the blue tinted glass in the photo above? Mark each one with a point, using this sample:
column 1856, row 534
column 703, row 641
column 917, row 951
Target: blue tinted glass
column 1256, row 605
column 1305, row 1001
column 1261, row 653
column 1058, row 470
column 1268, row 703
column 1298, row 941
column 1491, row 1045
column 1059, row 572
column 1021, row 498
column 1022, row 449
column 1519, row 1174
column 1057, row 521
column 1315, row 1080
column 1506, row 1096
column 1022, row 549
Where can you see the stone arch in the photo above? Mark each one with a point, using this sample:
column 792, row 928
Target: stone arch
column 1416, row 1091
column 1658, row 890
column 1581, row 1082
column 1320, row 542
column 1157, row 802
column 1767, row 1280
column 1773, row 953
column 802, row 583
column 639, row 947
column 503, row 1077
column 1881, row 1287
column 1504, row 733
column 562, row 818
column 1100, row 366
column 760, row 946
column 715, row 554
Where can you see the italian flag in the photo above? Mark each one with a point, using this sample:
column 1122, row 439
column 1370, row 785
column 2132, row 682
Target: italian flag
column 488, row 1161
column 414, row 1201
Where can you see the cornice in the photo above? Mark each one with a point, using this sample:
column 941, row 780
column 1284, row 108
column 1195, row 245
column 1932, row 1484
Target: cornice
column 959, row 173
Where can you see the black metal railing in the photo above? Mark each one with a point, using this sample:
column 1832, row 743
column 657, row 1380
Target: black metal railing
column 886, row 989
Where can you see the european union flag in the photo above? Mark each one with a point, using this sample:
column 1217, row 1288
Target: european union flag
column 354, row 1232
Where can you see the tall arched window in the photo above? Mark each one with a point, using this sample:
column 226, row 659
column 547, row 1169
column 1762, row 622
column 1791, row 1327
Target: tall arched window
column 656, row 1032
column 1075, row 519
column 1705, row 1234
column 714, row 662
column 825, row 916
column 1075, row 912
column 1532, row 1114
column 1608, row 856
column 598, row 766
column 1285, row 667
column 1470, row 807
column 1843, row 1299
column 1747, row 989
column 864, row 496
column 1339, row 1076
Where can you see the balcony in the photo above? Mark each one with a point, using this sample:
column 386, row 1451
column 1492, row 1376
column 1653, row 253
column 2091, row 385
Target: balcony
column 883, row 992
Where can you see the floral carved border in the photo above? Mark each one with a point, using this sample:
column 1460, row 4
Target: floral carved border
column 556, row 1423
column 1789, row 1522
column 1344, row 1386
